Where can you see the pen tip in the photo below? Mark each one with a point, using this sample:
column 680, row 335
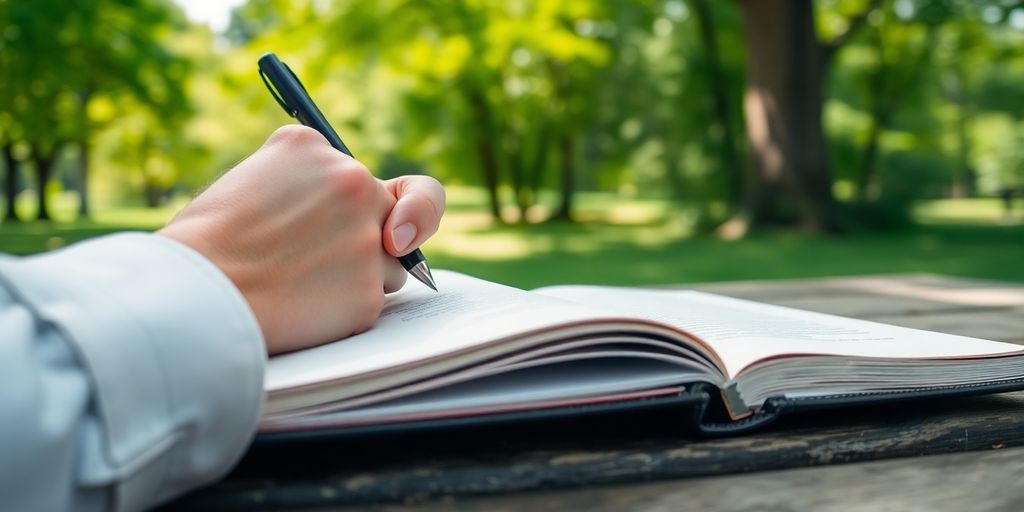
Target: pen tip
column 422, row 273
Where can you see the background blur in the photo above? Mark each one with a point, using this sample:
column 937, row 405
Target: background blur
column 617, row 141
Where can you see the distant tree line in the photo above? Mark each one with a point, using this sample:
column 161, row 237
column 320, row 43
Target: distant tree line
column 810, row 114
column 57, row 59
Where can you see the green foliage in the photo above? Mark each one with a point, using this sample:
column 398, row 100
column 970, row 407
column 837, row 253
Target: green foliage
column 502, row 82
column 73, row 70
column 998, row 142
column 923, row 106
column 536, row 101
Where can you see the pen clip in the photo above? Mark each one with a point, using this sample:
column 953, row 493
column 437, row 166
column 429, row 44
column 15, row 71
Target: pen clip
column 273, row 92
column 290, row 72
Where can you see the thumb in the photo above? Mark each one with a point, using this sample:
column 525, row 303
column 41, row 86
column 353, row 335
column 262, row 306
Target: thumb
column 417, row 213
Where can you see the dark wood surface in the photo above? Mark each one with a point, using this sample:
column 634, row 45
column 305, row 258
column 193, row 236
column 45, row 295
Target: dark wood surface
column 607, row 463
column 985, row 481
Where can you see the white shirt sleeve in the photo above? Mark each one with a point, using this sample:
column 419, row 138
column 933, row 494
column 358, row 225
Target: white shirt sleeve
column 131, row 371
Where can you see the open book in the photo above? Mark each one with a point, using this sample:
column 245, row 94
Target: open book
column 482, row 350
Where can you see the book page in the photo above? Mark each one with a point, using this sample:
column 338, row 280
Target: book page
column 418, row 324
column 529, row 387
column 744, row 332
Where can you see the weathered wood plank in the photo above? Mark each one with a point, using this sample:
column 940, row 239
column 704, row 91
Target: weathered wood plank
column 506, row 460
column 991, row 481
column 995, row 324
column 874, row 297
column 932, row 287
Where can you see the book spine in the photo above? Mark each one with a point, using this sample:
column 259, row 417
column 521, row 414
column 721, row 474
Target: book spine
column 734, row 402
column 714, row 417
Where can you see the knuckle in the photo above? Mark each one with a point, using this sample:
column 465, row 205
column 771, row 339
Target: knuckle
column 351, row 181
column 295, row 135
column 360, row 176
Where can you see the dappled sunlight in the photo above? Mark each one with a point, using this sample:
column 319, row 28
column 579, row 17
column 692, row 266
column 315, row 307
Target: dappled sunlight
column 665, row 250
column 633, row 213
column 455, row 221
column 975, row 211
column 936, row 289
column 489, row 247
column 641, row 225
column 140, row 217
column 603, row 221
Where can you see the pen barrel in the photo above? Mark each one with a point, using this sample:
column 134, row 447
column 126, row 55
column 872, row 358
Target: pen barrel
column 294, row 99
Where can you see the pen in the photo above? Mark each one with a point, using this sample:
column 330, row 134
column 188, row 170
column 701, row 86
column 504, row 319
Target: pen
column 289, row 92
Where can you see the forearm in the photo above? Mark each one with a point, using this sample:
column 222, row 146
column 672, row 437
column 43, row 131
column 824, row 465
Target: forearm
column 130, row 372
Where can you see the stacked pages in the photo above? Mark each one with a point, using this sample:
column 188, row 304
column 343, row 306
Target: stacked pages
column 481, row 349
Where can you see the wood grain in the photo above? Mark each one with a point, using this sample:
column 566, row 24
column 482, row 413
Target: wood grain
column 979, row 482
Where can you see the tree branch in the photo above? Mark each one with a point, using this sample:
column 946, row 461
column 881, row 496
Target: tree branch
column 829, row 49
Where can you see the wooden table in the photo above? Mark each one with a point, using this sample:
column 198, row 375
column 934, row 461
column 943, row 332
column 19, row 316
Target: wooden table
column 953, row 454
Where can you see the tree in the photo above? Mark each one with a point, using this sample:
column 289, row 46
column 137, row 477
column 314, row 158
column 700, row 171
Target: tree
column 730, row 157
column 7, row 122
column 903, row 51
column 35, row 106
column 141, row 67
column 979, row 64
column 11, row 181
column 58, row 60
column 510, row 76
column 788, row 177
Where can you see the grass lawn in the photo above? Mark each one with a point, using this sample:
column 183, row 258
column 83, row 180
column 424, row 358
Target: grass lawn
column 645, row 242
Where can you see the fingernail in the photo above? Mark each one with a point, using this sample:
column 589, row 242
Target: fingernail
column 402, row 236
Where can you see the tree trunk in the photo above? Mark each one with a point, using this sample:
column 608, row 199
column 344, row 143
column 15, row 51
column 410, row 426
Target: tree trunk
column 731, row 161
column 887, row 86
column 788, row 177
column 877, row 98
column 515, row 169
column 83, row 154
column 43, row 162
column 964, row 184
column 538, row 162
column 869, row 163
column 566, row 141
column 567, row 172
column 964, row 178
column 11, row 165
column 153, row 195
column 485, row 149
column 83, row 179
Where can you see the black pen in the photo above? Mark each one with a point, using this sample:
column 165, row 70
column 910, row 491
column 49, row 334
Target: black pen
column 289, row 92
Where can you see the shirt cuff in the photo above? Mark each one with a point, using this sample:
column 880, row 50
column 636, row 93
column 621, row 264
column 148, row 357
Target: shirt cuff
column 173, row 351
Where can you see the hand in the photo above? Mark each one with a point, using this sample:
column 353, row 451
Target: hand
column 309, row 236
